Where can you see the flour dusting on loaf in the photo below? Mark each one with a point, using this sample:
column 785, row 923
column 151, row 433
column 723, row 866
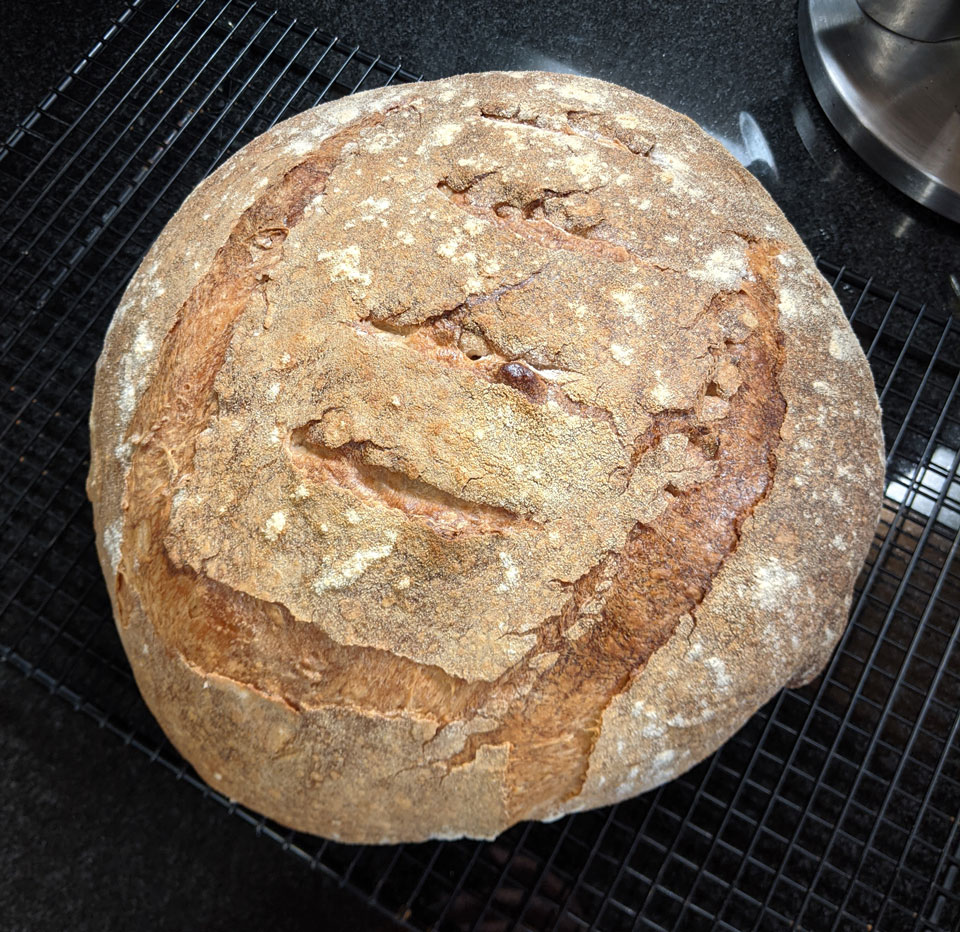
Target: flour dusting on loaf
column 476, row 451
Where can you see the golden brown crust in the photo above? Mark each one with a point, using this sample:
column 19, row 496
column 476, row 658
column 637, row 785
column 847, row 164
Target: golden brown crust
column 474, row 451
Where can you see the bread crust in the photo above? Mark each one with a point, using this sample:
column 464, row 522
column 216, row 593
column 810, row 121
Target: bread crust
column 475, row 451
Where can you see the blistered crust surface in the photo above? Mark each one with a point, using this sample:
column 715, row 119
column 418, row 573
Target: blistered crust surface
column 402, row 432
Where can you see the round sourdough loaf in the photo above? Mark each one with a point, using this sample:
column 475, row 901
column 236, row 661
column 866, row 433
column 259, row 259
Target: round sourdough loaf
column 476, row 451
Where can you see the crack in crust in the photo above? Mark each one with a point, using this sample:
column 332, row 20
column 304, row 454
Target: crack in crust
column 596, row 126
column 452, row 338
column 545, row 220
column 349, row 467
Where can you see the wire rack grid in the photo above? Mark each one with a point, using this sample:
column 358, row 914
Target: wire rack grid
column 835, row 807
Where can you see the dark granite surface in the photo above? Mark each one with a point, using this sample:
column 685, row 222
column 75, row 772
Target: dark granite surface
column 95, row 837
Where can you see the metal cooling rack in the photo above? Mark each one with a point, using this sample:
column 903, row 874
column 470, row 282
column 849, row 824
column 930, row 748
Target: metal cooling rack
column 835, row 807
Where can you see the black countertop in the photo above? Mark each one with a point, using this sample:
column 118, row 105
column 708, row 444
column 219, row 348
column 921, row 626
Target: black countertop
column 95, row 837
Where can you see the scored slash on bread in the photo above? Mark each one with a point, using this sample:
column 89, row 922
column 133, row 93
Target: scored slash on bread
column 476, row 451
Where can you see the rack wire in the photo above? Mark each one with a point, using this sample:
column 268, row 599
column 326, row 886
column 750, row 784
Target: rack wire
column 835, row 807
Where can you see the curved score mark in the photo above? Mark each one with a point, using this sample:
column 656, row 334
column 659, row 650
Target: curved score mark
column 663, row 574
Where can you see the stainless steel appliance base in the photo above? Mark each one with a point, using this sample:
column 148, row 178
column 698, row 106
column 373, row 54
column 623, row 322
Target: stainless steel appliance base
column 895, row 100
